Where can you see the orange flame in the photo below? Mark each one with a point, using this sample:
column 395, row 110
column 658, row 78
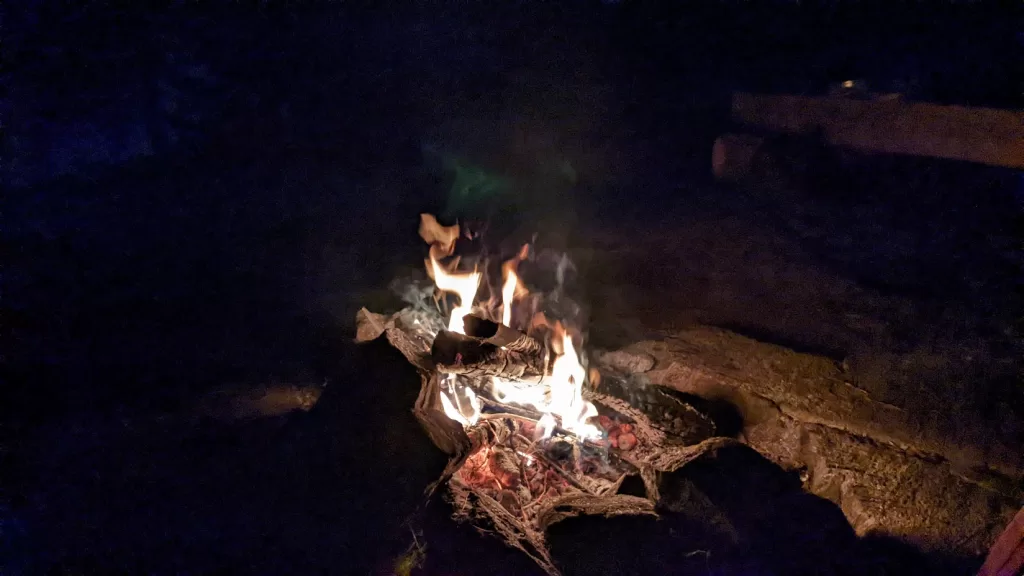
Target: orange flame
column 559, row 394
column 567, row 378
column 441, row 237
column 511, row 288
column 464, row 286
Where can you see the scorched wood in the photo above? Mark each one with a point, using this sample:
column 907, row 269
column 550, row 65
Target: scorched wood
column 501, row 336
column 459, row 354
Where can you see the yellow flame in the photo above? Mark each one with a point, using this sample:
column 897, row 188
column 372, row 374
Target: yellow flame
column 462, row 285
column 442, row 238
column 567, row 377
column 559, row 394
column 546, row 424
column 511, row 289
column 508, row 291
column 455, row 410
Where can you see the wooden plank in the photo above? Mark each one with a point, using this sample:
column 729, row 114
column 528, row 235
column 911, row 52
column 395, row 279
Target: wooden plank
column 893, row 126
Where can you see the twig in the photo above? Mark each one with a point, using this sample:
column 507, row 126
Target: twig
column 506, row 415
column 561, row 472
column 526, row 415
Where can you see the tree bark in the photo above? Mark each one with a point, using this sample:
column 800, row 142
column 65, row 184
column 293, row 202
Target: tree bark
column 459, row 354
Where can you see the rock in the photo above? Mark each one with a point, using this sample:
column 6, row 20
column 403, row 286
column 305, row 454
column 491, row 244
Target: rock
column 369, row 325
column 626, row 361
column 627, row 441
column 888, row 476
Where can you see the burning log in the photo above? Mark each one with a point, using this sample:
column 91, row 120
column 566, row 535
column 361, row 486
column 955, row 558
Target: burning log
column 459, row 354
column 501, row 336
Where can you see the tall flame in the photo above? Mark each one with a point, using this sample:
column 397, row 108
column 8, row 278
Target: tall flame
column 567, row 378
column 464, row 286
column 508, row 291
column 511, row 289
column 559, row 394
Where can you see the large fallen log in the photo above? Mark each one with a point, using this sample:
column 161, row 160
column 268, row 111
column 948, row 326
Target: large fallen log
column 891, row 126
column 889, row 475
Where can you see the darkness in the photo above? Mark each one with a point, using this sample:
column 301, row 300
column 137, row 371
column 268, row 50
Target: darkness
column 202, row 195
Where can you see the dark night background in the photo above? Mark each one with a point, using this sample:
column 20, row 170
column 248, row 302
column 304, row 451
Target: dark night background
column 202, row 194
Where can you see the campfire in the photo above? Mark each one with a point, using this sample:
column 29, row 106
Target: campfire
column 536, row 431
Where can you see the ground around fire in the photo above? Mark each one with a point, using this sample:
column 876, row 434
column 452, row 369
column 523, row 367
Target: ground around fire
column 123, row 473
column 163, row 315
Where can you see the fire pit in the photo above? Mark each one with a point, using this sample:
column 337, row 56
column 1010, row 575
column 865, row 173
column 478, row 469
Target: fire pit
column 536, row 431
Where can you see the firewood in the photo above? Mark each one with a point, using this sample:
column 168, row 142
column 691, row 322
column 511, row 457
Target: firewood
column 501, row 336
column 459, row 354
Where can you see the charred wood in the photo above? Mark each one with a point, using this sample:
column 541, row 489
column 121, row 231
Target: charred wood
column 459, row 354
column 502, row 336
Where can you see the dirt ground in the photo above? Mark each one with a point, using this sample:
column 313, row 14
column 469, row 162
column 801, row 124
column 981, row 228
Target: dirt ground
column 112, row 476
column 135, row 292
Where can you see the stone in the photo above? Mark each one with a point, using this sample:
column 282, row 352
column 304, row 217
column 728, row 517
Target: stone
column 626, row 361
column 888, row 476
column 627, row 441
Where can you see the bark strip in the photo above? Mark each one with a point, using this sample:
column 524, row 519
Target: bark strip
column 459, row 354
